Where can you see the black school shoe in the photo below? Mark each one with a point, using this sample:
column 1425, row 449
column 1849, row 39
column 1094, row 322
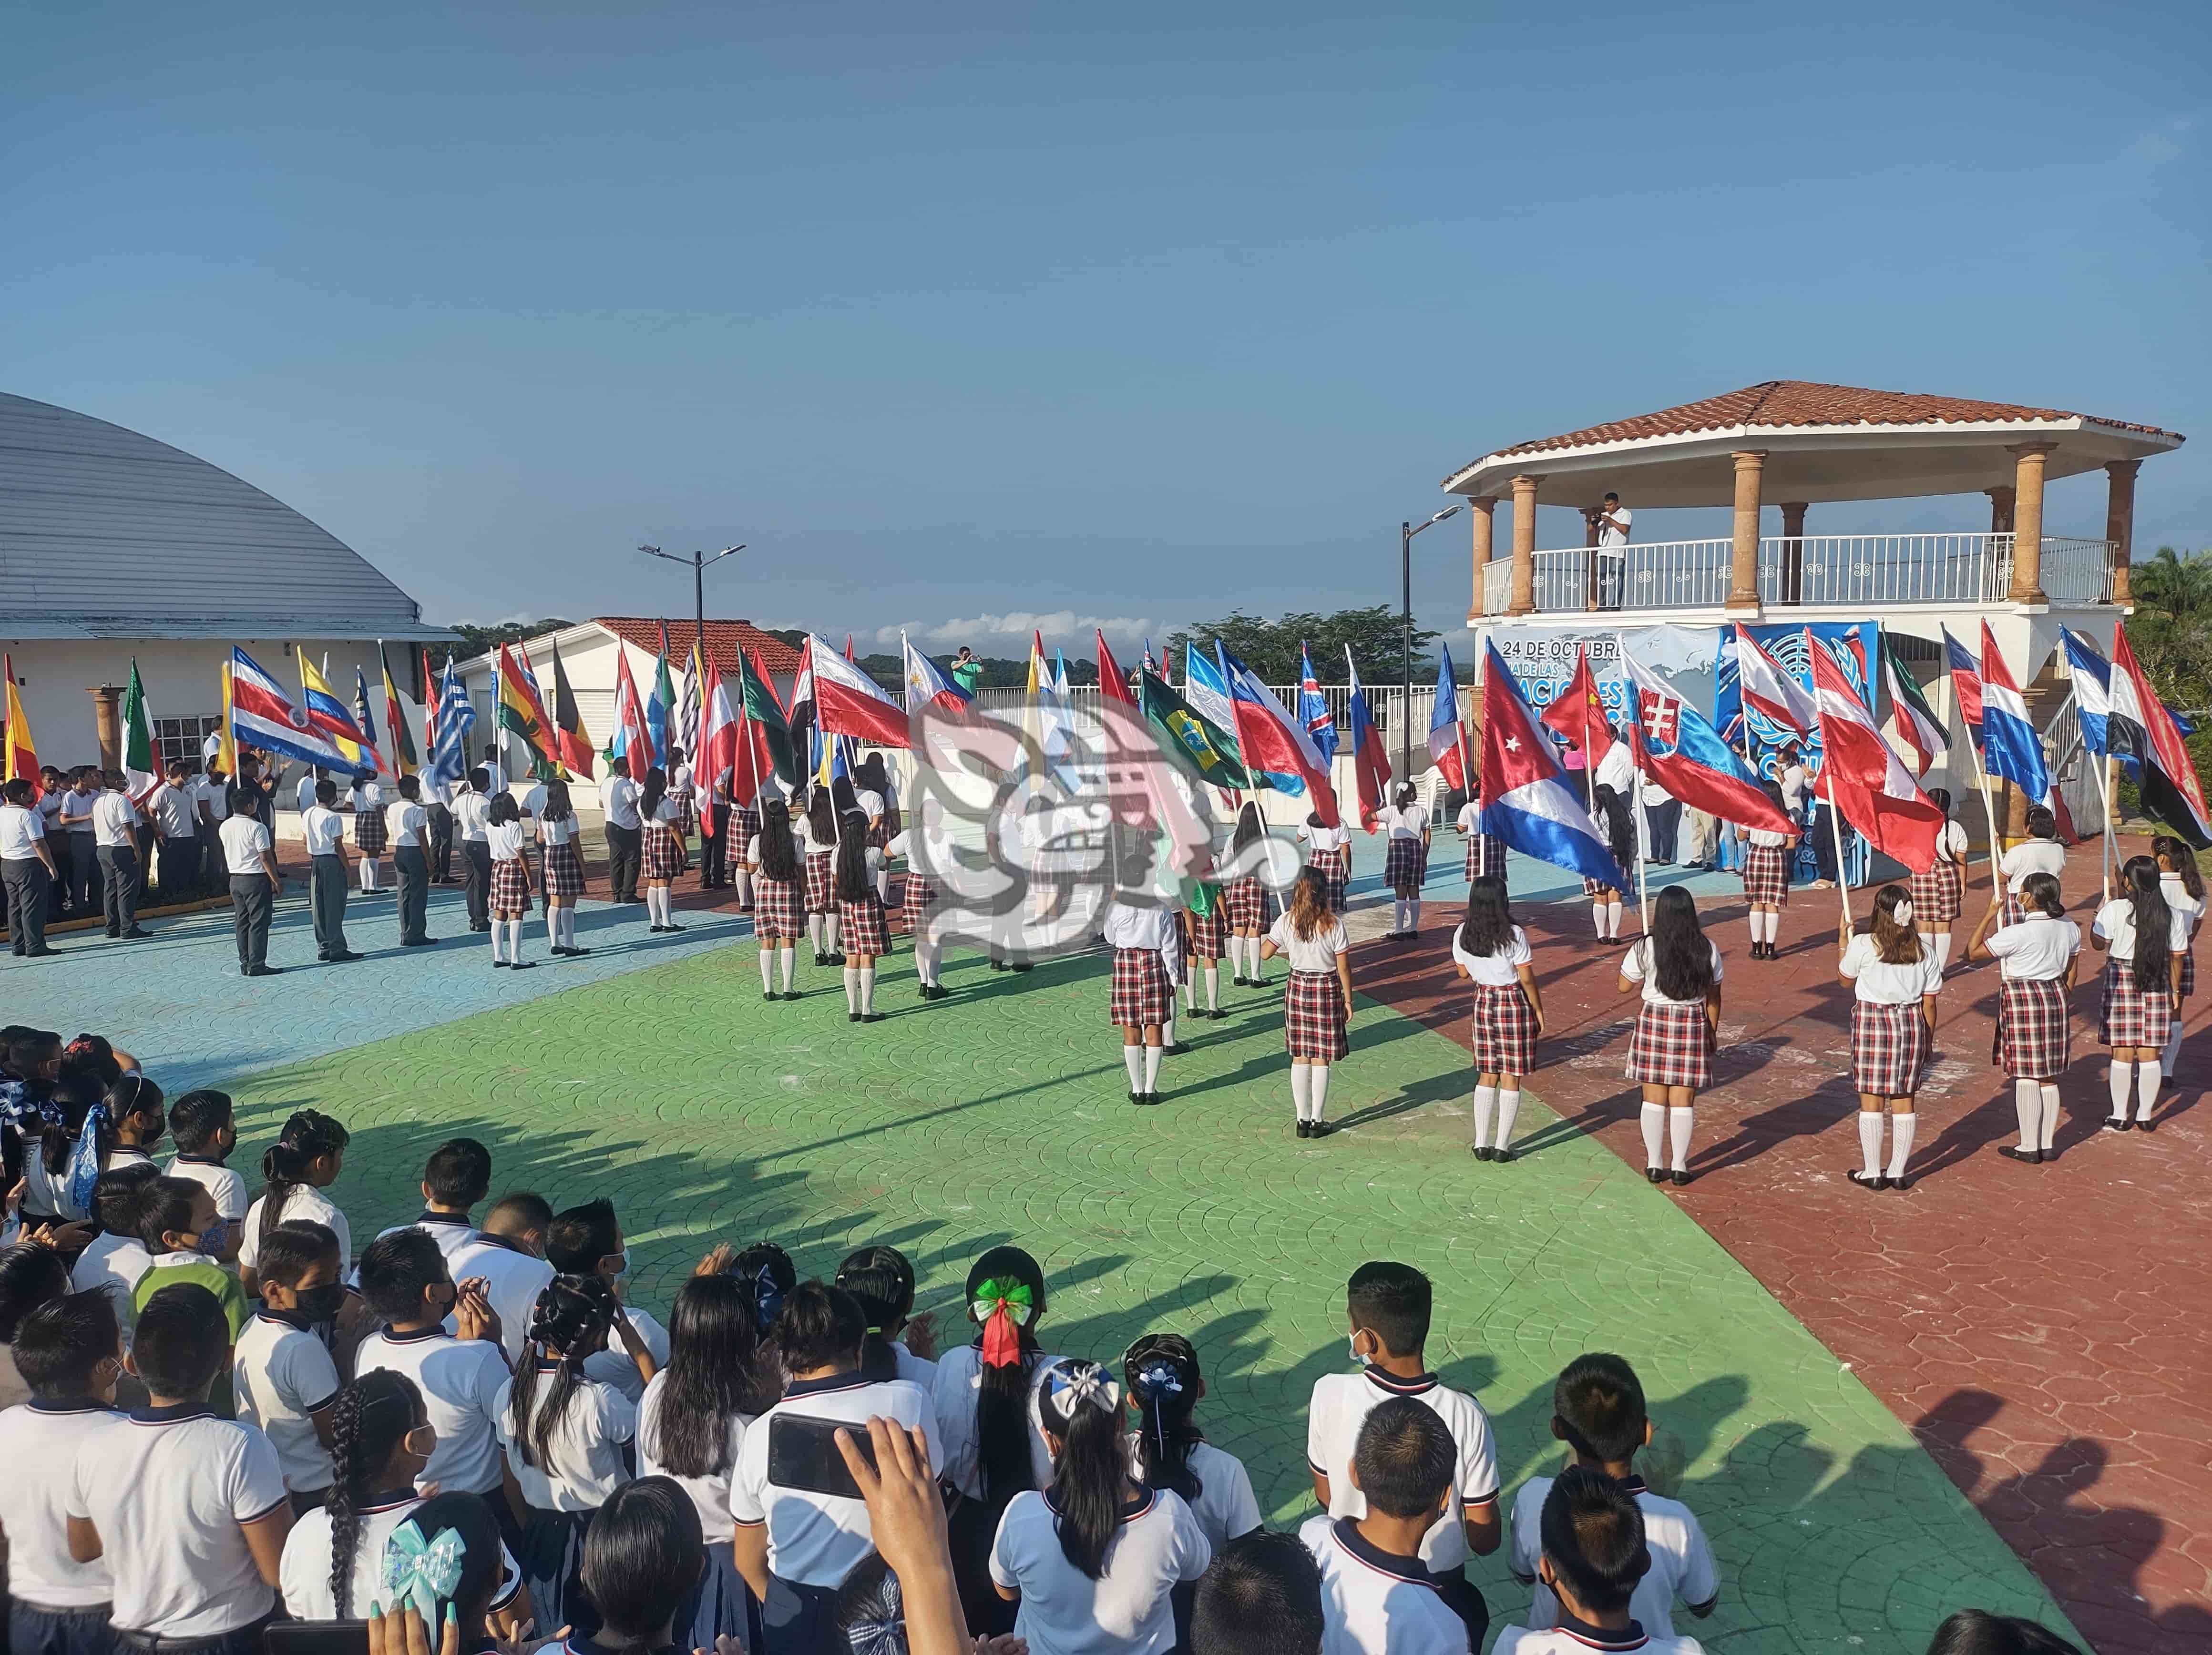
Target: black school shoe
column 1305, row 1129
column 2013, row 1151
column 1877, row 1182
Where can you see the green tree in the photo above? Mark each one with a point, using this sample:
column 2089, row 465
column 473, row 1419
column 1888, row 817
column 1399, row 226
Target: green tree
column 2172, row 626
column 476, row 640
column 1270, row 648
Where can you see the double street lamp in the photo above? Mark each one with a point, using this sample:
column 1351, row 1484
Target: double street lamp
column 698, row 563
column 1406, row 533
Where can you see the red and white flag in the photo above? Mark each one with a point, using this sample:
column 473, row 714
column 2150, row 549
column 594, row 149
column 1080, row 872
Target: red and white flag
column 717, row 739
column 848, row 702
column 1861, row 775
column 1765, row 687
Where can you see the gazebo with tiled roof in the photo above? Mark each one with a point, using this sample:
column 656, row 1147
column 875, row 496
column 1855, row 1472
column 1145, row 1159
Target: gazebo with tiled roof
column 1797, row 443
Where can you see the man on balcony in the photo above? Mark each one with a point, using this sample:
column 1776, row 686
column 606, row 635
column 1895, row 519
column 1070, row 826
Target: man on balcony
column 1613, row 521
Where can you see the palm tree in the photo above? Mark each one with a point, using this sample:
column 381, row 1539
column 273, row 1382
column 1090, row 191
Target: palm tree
column 2171, row 628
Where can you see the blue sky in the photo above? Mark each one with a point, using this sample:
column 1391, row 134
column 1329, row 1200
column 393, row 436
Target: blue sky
column 963, row 312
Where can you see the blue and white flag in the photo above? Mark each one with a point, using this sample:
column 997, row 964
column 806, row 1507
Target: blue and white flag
column 451, row 717
column 2092, row 696
column 2011, row 747
column 1313, row 708
column 1206, row 687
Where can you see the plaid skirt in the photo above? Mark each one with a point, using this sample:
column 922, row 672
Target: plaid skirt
column 1939, row 895
column 687, row 814
column 915, row 899
column 745, row 826
column 880, row 834
column 1405, row 865
column 1889, row 1049
column 368, row 831
column 564, row 870
column 1673, row 1046
column 1249, row 906
column 1313, row 1017
column 862, row 928
column 1486, row 857
column 1504, row 1030
column 778, row 909
column 2014, row 914
column 820, row 897
column 2032, row 1037
column 1209, row 932
column 510, row 887
column 1335, row 867
column 1143, row 998
column 1596, row 888
column 2189, row 973
column 2132, row 1016
column 1766, row 876
column 663, row 853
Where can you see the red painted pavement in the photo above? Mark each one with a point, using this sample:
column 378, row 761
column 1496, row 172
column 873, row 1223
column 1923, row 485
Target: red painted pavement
column 2045, row 1332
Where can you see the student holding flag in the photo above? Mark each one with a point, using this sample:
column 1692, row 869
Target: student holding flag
column 1405, row 860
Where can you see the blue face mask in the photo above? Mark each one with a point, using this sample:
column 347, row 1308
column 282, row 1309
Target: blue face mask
column 624, row 1271
column 215, row 1237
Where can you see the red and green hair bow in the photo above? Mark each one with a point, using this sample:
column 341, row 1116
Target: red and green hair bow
column 1003, row 1308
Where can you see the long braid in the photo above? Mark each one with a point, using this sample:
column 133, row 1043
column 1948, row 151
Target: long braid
column 367, row 1421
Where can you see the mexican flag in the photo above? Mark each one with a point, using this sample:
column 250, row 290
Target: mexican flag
column 764, row 747
column 141, row 764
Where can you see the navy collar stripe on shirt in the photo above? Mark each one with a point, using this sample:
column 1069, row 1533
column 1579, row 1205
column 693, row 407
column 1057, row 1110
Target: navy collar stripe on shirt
column 1398, row 1387
column 1630, row 1637
column 1364, row 1552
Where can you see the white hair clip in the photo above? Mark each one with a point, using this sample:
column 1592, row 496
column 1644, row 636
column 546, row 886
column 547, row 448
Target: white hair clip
column 1902, row 913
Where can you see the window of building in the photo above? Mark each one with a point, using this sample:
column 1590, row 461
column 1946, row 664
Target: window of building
column 182, row 738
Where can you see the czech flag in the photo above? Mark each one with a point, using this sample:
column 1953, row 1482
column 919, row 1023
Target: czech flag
column 1677, row 746
column 1966, row 682
column 1526, row 800
column 1862, row 774
column 928, row 683
column 848, row 702
column 2011, row 747
column 1447, row 734
column 1370, row 765
column 1313, row 708
column 1270, row 739
column 262, row 715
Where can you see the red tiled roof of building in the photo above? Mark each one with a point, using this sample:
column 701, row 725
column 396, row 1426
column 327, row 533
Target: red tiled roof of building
column 724, row 640
column 1801, row 401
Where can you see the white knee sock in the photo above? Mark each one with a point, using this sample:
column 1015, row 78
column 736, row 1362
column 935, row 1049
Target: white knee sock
column 1870, row 1141
column 814, row 932
column 867, row 976
column 2027, row 1104
column 1757, row 928
column 1941, row 944
column 2120, row 1077
column 1213, row 988
column 1508, row 1110
column 656, row 904
column 1259, row 969
column 1167, row 1028
column 1680, row 1121
column 790, row 958
column 744, row 884
column 514, row 939
column 1900, row 1141
column 1319, row 1084
column 553, row 927
column 2147, row 1081
column 1237, row 956
column 852, row 976
column 768, row 970
column 568, row 927
column 1133, row 1059
column 1485, row 1111
column 1612, row 919
column 924, row 960
column 1152, row 1069
column 2048, row 1130
column 1189, row 991
column 1302, row 1089
column 830, row 927
column 1597, row 919
column 1653, row 1121
column 883, row 886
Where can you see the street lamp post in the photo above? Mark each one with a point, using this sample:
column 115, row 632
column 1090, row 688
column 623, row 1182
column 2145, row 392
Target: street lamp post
column 1406, row 533
column 698, row 563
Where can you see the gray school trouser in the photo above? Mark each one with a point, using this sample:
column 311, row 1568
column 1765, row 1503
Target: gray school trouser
column 414, row 889
column 327, row 903
column 28, row 882
column 119, row 887
column 82, row 873
column 253, row 899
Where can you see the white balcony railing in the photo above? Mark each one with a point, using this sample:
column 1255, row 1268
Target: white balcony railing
column 1854, row 570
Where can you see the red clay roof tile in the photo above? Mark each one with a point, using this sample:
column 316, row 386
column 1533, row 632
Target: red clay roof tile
column 724, row 640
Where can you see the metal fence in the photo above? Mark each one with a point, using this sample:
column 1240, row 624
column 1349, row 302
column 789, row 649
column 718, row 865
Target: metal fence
column 1384, row 702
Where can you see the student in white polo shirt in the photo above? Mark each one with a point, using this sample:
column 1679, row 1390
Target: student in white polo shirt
column 404, row 1280
column 1593, row 1554
column 456, row 1176
column 189, row 1510
column 204, row 1125
column 116, row 1258
column 115, row 822
column 1387, row 1306
column 70, row 1353
column 1260, row 1596
column 282, row 1377
column 1377, row 1597
column 508, row 1254
column 795, row 1546
column 1598, row 1411
column 587, row 1241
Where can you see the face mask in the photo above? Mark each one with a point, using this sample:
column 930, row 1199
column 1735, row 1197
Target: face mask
column 624, row 1271
column 319, row 1304
column 1358, row 1360
column 215, row 1237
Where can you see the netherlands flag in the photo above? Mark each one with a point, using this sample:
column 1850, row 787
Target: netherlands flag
column 1270, row 739
column 2011, row 747
column 262, row 715
column 1526, row 800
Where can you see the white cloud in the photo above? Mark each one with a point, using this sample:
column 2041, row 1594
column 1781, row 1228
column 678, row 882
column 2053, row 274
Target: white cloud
column 990, row 633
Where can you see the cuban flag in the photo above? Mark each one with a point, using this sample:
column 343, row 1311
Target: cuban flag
column 927, row 684
column 848, row 702
column 1447, row 734
column 1966, row 682
column 2011, row 747
column 1776, row 696
column 262, row 715
column 1270, row 740
column 1678, row 747
column 1313, row 708
column 1370, row 764
column 1526, row 800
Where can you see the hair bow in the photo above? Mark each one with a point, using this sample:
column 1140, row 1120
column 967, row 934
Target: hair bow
column 83, row 1169
column 1154, row 1381
column 1072, row 1384
column 1902, row 913
column 878, row 1622
column 420, row 1572
column 768, row 1299
column 996, row 1305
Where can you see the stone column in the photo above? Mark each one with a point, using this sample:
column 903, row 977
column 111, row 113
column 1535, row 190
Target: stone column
column 2120, row 522
column 1999, row 509
column 1743, row 560
column 1591, row 516
column 2028, row 461
column 1793, row 551
column 107, row 723
column 1481, row 506
column 1524, row 546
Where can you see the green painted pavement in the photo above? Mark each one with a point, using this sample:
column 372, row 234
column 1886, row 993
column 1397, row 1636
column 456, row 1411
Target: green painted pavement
column 1001, row 1113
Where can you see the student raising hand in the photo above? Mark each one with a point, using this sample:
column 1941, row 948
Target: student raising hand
column 906, row 1516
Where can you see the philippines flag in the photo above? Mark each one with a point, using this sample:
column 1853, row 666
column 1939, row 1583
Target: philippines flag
column 1776, row 696
column 1678, row 747
column 1526, row 800
column 262, row 715
column 848, row 702
column 1370, row 765
column 2166, row 775
column 1313, row 708
column 1447, row 734
column 2011, row 747
column 1861, row 774
column 926, row 682
column 1966, row 682
column 1270, row 739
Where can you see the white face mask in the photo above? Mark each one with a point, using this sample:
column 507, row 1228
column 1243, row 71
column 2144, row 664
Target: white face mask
column 1358, row 1360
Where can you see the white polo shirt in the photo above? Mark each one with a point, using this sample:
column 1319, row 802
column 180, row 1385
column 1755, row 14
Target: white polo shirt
column 304, row 1202
column 813, row 1539
column 583, row 1465
column 2037, row 948
column 1224, row 1507
column 952, row 1398
column 113, row 816
column 304, row 1575
column 1681, row 1562
column 513, row 1281
column 214, row 794
column 114, row 1263
column 1332, row 839
column 461, row 1381
column 38, row 1444
column 2116, row 923
column 21, row 829
column 365, row 796
column 171, row 807
column 710, row 1493
column 1633, row 970
column 1499, row 970
column 1316, row 953
column 1340, row 1405
column 323, row 828
column 613, row 1366
column 451, row 1231
column 303, row 791
column 168, row 1491
column 473, row 815
column 1878, row 983
column 618, row 799
column 1063, row 1611
column 1579, row 1639
column 405, row 821
column 244, row 839
column 1375, row 1604
column 1410, row 822
column 2034, row 856
column 280, row 1373
column 227, row 1188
